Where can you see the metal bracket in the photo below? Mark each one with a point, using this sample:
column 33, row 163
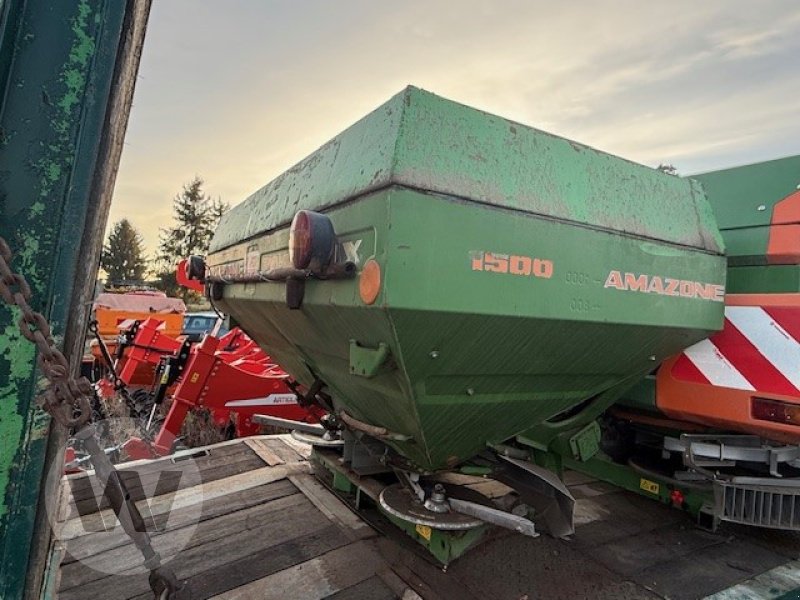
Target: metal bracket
column 367, row 362
column 494, row 516
column 586, row 443
column 701, row 451
column 540, row 489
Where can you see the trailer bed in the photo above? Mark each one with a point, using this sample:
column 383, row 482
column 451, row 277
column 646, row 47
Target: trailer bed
column 269, row 529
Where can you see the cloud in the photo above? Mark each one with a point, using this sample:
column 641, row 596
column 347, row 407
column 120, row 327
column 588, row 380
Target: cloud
column 240, row 91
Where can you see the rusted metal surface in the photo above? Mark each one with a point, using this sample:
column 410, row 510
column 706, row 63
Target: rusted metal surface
column 67, row 72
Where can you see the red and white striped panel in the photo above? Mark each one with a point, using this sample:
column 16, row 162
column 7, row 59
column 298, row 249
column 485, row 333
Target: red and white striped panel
column 123, row 324
column 758, row 350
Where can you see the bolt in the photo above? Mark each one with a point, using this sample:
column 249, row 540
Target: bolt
column 470, row 392
column 437, row 502
column 434, row 354
column 652, row 357
column 761, row 208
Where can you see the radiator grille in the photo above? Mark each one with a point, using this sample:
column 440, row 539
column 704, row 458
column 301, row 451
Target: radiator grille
column 761, row 506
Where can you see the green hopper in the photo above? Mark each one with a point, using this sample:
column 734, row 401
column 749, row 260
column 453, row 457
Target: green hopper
column 485, row 278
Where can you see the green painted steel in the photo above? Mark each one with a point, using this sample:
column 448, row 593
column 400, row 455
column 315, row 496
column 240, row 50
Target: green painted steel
column 768, row 279
column 475, row 356
column 649, row 486
column 743, row 199
column 602, row 467
column 422, row 141
column 57, row 64
column 444, row 546
column 736, row 193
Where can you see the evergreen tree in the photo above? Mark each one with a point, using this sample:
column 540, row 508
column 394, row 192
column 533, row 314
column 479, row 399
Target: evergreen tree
column 219, row 208
column 195, row 218
column 123, row 254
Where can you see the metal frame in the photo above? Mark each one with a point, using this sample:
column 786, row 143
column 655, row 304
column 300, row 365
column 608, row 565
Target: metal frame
column 701, row 451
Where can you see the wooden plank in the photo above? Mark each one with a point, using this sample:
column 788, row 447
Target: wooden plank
column 286, row 452
column 394, row 582
column 301, row 448
column 226, row 576
column 281, row 529
column 314, row 579
column 93, row 501
column 370, row 589
column 483, row 485
column 51, row 579
column 264, row 452
column 87, row 500
column 93, row 543
column 368, row 485
column 85, row 497
column 77, row 526
column 289, row 512
column 208, row 456
column 333, row 508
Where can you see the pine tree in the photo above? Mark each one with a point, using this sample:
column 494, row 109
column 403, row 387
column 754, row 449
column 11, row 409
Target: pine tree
column 219, row 208
column 194, row 216
column 123, row 254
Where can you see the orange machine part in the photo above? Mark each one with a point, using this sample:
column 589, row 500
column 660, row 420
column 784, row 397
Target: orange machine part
column 109, row 322
column 783, row 247
column 118, row 311
column 684, row 389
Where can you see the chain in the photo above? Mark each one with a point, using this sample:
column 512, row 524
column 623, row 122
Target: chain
column 67, row 398
column 67, row 401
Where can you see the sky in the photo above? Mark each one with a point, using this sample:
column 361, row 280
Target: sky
column 238, row 91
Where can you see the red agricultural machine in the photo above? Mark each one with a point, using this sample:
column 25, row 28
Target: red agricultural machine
column 229, row 376
column 146, row 364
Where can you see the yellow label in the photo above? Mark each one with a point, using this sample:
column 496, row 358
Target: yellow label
column 649, row 486
column 424, row 531
column 195, row 376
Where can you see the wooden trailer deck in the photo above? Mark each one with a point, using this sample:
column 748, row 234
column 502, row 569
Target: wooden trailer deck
column 266, row 528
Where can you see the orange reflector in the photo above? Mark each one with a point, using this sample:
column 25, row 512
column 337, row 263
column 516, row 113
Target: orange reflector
column 778, row 412
column 369, row 283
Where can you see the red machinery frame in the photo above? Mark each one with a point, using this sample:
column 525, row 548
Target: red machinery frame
column 230, row 375
column 226, row 380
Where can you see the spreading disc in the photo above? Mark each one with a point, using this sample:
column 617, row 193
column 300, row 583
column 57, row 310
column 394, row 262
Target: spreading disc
column 398, row 501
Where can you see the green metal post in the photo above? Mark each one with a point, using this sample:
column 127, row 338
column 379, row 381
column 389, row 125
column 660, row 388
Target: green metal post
column 67, row 71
